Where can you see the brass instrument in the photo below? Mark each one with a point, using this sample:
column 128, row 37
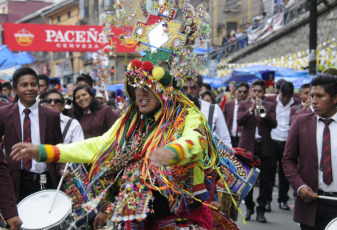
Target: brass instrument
column 261, row 110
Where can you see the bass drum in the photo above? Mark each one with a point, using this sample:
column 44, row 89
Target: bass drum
column 34, row 211
column 332, row 225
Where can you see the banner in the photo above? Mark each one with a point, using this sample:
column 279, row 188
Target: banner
column 267, row 27
column 60, row 38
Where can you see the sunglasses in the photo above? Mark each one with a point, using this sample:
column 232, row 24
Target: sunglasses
column 192, row 87
column 243, row 91
column 56, row 101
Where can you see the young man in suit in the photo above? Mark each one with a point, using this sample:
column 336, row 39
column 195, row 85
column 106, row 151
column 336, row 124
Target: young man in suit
column 279, row 135
column 7, row 199
column 230, row 112
column 27, row 121
column 305, row 105
column 310, row 155
column 256, row 126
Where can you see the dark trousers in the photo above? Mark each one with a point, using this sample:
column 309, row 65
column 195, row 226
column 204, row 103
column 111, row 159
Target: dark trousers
column 326, row 211
column 30, row 184
column 235, row 141
column 283, row 188
column 264, row 178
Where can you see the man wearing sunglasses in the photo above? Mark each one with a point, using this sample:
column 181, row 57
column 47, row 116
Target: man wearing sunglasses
column 71, row 128
column 230, row 112
column 212, row 112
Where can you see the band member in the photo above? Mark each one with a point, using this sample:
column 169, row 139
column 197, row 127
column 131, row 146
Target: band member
column 309, row 160
column 257, row 118
column 7, row 198
column 27, row 121
column 230, row 112
column 279, row 135
column 305, row 105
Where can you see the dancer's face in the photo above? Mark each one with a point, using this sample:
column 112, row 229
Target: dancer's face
column 146, row 100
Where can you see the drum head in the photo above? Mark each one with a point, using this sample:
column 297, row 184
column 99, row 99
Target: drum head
column 34, row 209
column 332, row 225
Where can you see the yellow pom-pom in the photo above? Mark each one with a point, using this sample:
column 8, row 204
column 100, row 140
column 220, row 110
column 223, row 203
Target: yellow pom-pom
column 158, row 73
column 129, row 67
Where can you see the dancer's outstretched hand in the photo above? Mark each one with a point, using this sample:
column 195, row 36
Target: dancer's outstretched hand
column 24, row 150
column 162, row 156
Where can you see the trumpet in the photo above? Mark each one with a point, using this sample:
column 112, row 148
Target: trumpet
column 261, row 110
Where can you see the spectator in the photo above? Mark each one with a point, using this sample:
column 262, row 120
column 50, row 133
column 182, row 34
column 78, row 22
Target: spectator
column 7, row 90
column 71, row 128
column 85, row 79
column 100, row 98
column 205, row 87
column 208, row 96
column 70, row 89
column 94, row 118
column 44, row 85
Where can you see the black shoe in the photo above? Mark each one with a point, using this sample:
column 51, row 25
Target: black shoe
column 260, row 216
column 284, row 206
column 249, row 212
column 268, row 208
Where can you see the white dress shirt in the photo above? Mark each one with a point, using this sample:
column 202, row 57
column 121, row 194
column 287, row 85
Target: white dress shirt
column 219, row 126
column 280, row 133
column 257, row 135
column 235, row 118
column 37, row 167
column 319, row 140
column 75, row 132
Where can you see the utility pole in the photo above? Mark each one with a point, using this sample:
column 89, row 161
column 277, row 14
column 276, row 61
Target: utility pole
column 210, row 40
column 312, row 37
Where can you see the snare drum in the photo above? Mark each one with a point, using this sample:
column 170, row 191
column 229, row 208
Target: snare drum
column 332, row 225
column 34, row 211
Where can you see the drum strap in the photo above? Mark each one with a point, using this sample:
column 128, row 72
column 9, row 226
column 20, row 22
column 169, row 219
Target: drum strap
column 210, row 116
column 65, row 131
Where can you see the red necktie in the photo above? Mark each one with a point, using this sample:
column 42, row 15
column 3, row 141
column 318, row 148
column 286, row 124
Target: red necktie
column 27, row 163
column 326, row 153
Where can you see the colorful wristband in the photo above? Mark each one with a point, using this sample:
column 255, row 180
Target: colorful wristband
column 42, row 154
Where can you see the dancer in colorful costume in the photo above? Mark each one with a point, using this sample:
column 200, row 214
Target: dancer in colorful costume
column 156, row 155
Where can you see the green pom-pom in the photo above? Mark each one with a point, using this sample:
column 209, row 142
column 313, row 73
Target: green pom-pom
column 158, row 73
column 167, row 79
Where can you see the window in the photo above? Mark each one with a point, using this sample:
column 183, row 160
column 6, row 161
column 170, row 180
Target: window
column 58, row 18
column 69, row 14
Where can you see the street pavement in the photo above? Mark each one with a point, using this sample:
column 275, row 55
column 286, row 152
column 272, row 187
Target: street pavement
column 277, row 219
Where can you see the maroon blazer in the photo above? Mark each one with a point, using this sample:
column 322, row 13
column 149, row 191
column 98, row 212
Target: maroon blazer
column 7, row 197
column 96, row 124
column 229, row 114
column 300, row 164
column 248, row 124
column 272, row 98
column 50, row 133
column 3, row 103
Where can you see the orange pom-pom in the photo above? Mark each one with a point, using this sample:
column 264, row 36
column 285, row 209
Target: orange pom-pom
column 136, row 63
column 147, row 66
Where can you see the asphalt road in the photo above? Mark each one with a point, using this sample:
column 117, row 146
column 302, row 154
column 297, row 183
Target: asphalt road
column 277, row 219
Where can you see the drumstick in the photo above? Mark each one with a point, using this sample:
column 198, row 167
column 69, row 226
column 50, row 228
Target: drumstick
column 59, row 186
column 327, row 197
